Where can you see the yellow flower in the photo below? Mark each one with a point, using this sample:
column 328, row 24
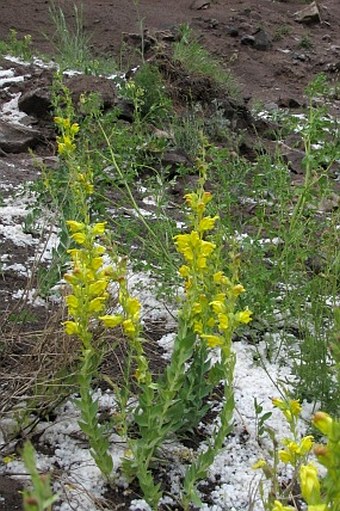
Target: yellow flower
column 72, row 303
column 133, row 307
column 220, row 278
column 279, row 403
column 223, row 321
column 97, row 304
column 75, row 226
column 97, row 288
column 111, row 321
column 323, row 422
column 129, row 327
column 198, row 327
column 196, row 308
column 237, row 290
column 96, row 263
column 244, row 316
column 79, row 237
column 310, row 484
column 184, row 271
column 259, row 464
column 280, row 507
column 207, row 223
column 295, row 407
column 305, row 445
column 218, row 305
column 98, row 228
column 74, row 128
column 213, row 340
column 71, row 327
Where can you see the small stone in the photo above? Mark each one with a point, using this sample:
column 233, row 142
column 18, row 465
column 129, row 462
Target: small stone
column 289, row 103
column 232, row 31
column 248, row 40
column 200, row 4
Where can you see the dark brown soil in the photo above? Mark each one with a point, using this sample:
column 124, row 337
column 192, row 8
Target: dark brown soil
column 266, row 75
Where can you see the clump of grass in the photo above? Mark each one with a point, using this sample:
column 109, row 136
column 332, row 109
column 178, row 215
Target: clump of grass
column 72, row 44
column 17, row 47
column 196, row 59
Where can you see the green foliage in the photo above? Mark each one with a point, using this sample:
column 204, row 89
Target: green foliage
column 18, row 47
column 155, row 104
column 196, row 59
column 40, row 497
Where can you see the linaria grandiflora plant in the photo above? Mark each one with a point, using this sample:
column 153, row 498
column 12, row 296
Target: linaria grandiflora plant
column 177, row 400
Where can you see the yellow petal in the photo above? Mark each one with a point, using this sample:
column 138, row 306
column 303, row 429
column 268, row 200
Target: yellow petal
column 111, row 321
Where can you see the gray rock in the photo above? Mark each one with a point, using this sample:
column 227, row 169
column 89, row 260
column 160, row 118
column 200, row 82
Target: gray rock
column 17, row 139
column 36, row 102
column 309, row 14
column 262, row 40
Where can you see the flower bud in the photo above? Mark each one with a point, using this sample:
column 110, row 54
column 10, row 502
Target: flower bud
column 323, row 422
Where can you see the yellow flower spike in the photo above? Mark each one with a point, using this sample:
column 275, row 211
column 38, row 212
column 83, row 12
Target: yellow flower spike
column 98, row 228
column 213, row 340
column 310, row 484
column 278, row 506
column 75, row 226
column 323, row 422
column 207, row 223
column 71, row 327
column 111, row 321
column 79, row 238
column 244, row 316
